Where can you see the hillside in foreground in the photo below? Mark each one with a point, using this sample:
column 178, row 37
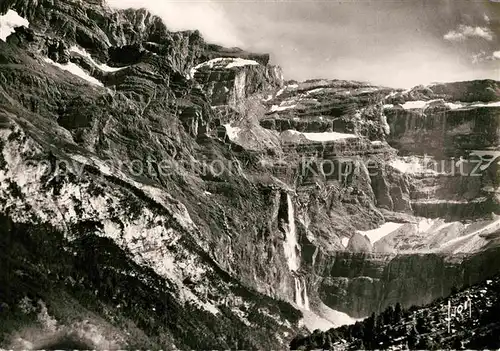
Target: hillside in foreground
column 473, row 324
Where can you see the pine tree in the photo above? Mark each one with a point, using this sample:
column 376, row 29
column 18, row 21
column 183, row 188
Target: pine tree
column 357, row 330
column 327, row 344
column 398, row 313
column 369, row 330
column 379, row 323
column 388, row 315
column 421, row 325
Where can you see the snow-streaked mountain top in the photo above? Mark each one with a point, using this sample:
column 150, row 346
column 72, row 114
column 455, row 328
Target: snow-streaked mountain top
column 223, row 63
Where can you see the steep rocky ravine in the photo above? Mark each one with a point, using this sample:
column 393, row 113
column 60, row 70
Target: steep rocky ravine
column 248, row 196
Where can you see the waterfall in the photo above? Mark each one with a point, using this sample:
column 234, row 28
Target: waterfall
column 291, row 246
column 305, row 298
column 298, row 296
column 301, row 298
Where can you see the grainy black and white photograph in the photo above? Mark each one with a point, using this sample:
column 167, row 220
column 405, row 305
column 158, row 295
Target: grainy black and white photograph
column 249, row 175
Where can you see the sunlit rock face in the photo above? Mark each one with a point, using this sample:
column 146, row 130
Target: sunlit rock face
column 451, row 149
column 239, row 198
column 467, row 92
column 438, row 130
column 359, row 284
column 322, row 106
column 228, row 81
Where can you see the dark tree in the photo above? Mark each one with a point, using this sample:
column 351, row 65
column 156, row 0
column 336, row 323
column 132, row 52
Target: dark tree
column 369, row 330
column 421, row 325
column 327, row 344
column 388, row 315
column 379, row 322
column 398, row 313
column 357, row 330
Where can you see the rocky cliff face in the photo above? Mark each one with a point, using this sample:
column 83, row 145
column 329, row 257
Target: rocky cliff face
column 104, row 140
column 360, row 284
column 236, row 194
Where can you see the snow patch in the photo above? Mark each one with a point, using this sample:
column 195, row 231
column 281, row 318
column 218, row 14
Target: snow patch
column 336, row 317
column 490, row 104
column 442, row 226
column 425, row 224
column 281, row 91
column 312, row 321
column 276, row 108
column 411, row 165
column 232, row 132
column 314, row 91
column 366, row 90
column 238, row 62
column 76, row 70
column 328, row 136
column 473, row 241
column 394, row 93
column 9, row 21
column 345, row 241
column 385, row 229
column 102, row 67
column 410, row 105
column 453, row 106
column 438, row 201
column 490, row 228
column 414, row 104
column 208, row 64
column 223, row 62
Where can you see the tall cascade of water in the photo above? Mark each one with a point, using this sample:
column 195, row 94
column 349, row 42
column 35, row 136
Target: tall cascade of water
column 291, row 246
column 301, row 298
column 298, row 296
column 292, row 253
column 305, row 298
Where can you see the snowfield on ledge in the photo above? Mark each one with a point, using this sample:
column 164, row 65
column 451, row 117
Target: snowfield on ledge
column 101, row 66
column 9, row 21
column 76, row 70
column 223, row 63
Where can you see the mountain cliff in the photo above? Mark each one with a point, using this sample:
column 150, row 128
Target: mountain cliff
column 184, row 195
